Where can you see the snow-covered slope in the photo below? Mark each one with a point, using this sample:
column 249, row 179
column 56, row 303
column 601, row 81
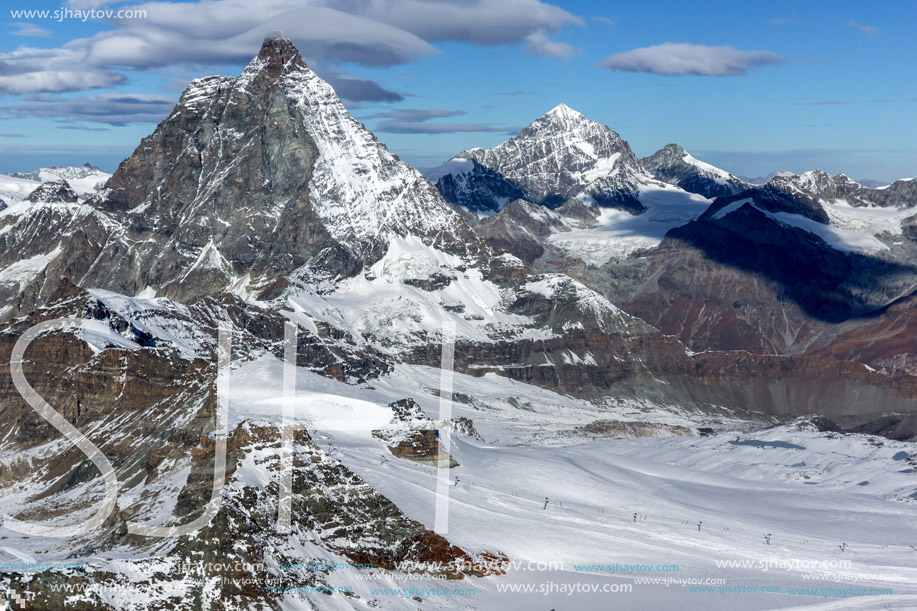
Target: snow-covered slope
column 362, row 193
column 13, row 189
column 846, row 215
column 849, row 229
column 768, row 518
column 617, row 234
column 85, row 179
column 412, row 295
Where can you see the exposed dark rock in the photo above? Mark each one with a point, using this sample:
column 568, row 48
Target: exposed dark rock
column 54, row 191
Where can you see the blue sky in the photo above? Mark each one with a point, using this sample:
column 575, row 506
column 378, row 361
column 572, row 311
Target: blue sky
column 750, row 87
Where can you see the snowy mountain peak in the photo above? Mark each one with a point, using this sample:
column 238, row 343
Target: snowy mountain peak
column 564, row 120
column 279, row 37
column 561, row 156
column 672, row 164
column 840, row 188
column 250, row 179
column 760, row 180
column 85, row 179
column 562, row 111
column 54, row 191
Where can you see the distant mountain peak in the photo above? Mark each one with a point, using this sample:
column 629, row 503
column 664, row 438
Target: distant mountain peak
column 674, row 165
column 560, row 156
column 54, row 191
column 561, row 118
column 564, row 111
column 673, row 148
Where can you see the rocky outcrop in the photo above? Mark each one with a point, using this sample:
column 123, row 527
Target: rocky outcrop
column 909, row 228
column 522, row 228
column 630, row 430
column 413, row 436
column 884, row 342
column 474, row 187
column 54, row 191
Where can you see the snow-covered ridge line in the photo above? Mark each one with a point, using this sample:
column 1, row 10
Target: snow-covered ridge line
column 85, row 180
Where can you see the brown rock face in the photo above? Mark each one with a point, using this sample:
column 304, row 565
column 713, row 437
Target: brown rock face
column 656, row 368
column 887, row 343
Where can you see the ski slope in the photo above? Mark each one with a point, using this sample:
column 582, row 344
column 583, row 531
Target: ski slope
column 811, row 492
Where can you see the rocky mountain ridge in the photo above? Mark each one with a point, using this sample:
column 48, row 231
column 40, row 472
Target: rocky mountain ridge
column 674, row 165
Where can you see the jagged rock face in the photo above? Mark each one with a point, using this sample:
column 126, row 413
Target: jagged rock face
column 56, row 191
column 823, row 187
column 909, row 228
column 477, row 188
column 652, row 366
column 672, row 164
column 561, row 156
column 47, row 244
column 901, row 193
column 522, row 228
column 246, row 181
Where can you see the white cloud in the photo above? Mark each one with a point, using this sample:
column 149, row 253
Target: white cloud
column 30, row 30
column 680, row 58
column 481, row 22
column 866, row 29
column 28, row 70
column 107, row 108
column 538, row 43
column 87, row 4
column 416, row 121
column 214, row 32
column 329, row 33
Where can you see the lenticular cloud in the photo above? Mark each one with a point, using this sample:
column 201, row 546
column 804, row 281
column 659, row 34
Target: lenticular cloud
column 681, row 58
